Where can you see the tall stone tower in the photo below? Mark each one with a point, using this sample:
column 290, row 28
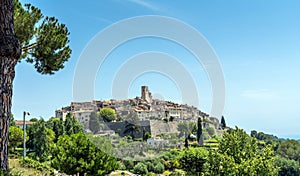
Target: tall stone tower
column 146, row 95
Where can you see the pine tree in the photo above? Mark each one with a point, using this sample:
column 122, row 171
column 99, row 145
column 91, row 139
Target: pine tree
column 42, row 41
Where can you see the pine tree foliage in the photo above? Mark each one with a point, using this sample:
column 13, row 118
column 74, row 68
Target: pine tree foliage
column 43, row 39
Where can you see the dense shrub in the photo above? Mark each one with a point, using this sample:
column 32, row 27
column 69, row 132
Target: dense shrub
column 159, row 168
column 287, row 167
column 140, row 168
column 129, row 164
column 150, row 174
column 178, row 172
column 150, row 166
column 193, row 159
column 210, row 131
column 27, row 162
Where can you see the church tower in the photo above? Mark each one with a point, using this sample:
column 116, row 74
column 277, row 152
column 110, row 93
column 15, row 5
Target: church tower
column 146, row 95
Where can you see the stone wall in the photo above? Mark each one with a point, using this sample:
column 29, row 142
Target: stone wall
column 122, row 128
column 158, row 127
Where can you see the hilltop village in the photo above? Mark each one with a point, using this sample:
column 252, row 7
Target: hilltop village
column 157, row 116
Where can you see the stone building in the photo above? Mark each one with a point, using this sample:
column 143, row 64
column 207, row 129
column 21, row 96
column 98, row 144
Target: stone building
column 146, row 94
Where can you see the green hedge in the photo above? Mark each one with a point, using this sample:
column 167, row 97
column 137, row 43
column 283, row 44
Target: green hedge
column 28, row 162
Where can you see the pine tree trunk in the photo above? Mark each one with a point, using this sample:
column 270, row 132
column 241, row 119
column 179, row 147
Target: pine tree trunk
column 10, row 51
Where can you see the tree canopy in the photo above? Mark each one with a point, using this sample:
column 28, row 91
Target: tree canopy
column 290, row 149
column 186, row 128
column 192, row 160
column 72, row 125
column 76, row 154
column 43, row 39
column 57, row 126
column 238, row 154
column 108, row 114
column 43, row 137
column 16, row 135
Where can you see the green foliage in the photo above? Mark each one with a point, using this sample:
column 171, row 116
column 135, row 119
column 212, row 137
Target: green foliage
column 25, row 19
column 199, row 131
column 12, row 120
column 50, row 135
column 72, row 126
column 193, row 159
column 253, row 133
column 31, row 131
column 171, row 158
column 219, row 164
column 57, row 126
column 28, row 162
column 16, row 136
column 290, row 149
column 238, row 154
column 269, row 139
column 5, row 173
column 94, row 123
column 211, row 131
column 223, row 123
column 212, row 143
column 34, row 120
column 69, row 124
column 287, row 167
column 131, row 128
column 186, row 142
column 150, row 174
column 147, row 136
column 178, row 172
column 76, row 154
column 129, row 164
column 150, row 166
column 140, row 168
column 239, row 145
column 108, row 114
column 205, row 134
column 186, row 128
column 40, row 140
column 102, row 143
column 44, row 40
column 77, row 126
column 43, row 137
column 159, row 168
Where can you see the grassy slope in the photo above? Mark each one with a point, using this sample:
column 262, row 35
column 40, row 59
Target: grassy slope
column 15, row 168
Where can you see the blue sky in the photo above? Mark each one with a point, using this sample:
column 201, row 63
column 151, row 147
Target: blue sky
column 257, row 42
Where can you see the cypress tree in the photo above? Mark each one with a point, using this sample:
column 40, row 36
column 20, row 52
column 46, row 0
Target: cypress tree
column 199, row 131
column 223, row 123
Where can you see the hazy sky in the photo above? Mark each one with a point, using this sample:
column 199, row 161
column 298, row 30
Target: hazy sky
column 257, row 43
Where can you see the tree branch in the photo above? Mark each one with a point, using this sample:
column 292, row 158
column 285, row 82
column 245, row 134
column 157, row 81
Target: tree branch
column 30, row 46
